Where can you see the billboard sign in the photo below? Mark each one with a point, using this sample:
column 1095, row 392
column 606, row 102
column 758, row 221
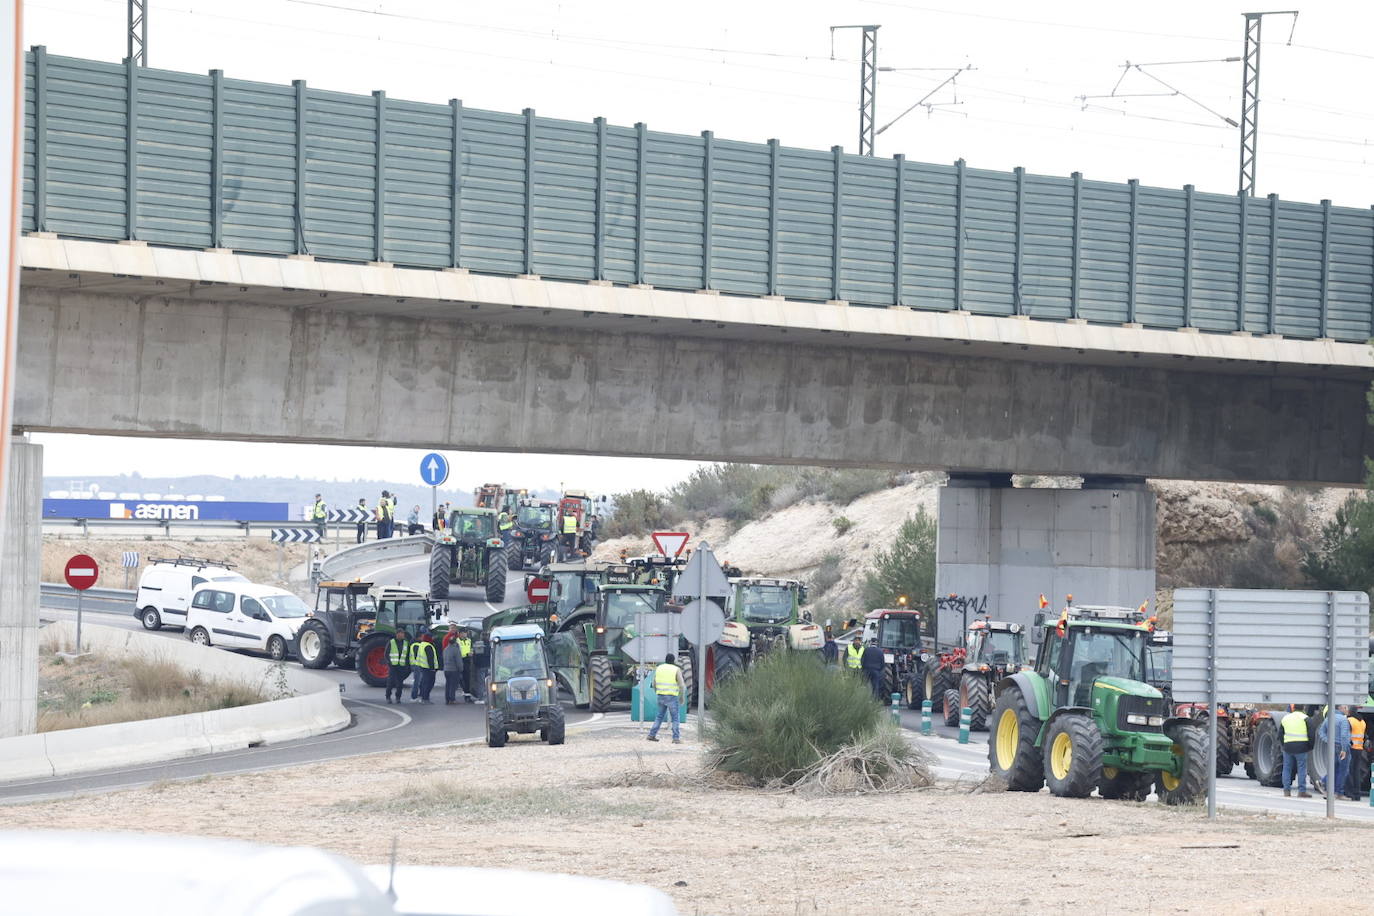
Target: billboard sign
column 166, row 510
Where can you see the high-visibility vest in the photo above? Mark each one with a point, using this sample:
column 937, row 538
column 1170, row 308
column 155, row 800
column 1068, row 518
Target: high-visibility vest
column 665, row 680
column 465, row 646
column 853, row 655
column 1295, row 728
column 505, row 522
column 422, row 655
column 1356, row 733
column 398, row 652
column 570, row 524
column 319, row 512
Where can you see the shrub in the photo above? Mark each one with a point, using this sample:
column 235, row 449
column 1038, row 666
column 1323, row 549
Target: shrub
column 845, row 485
column 783, row 715
column 638, row 512
column 1344, row 557
column 841, row 524
column 827, row 575
column 907, row 568
column 1266, row 514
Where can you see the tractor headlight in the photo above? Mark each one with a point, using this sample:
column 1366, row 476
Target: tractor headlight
column 1135, row 719
column 493, row 688
column 1156, row 720
column 600, row 630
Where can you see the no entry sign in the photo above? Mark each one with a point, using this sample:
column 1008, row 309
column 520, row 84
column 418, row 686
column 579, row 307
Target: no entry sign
column 81, row 572
column 537, row 590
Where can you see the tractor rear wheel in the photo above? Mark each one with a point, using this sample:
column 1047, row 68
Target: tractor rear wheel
column 314, row 646
column 1267, row 753
column 912, row 694
column 729, row 662
column 951, row 705
column 937, row 681
column 688, row 666
column 1073, row 756
column 556, row 729
column 974, row 693
column 1191, row 783
column 889, row 683
column 373, row 663
column 496, row 575
column 496, row 728
column 1225, row 759
column 1127, row 785
column 440, row 572
column 599, row 673
column 515, row 556
column 1012, row 754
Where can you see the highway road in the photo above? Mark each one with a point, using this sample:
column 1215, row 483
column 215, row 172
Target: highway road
column 969, row 762
column 376, row 726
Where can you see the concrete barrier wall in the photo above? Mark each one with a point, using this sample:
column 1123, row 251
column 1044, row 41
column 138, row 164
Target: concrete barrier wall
column 313, row 706
column 337, row 564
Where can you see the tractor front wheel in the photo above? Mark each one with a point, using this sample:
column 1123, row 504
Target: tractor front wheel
column 688, row 666
column 496, row 728
column 515, row 556
column 974, row 693
column 729, row 662
column 600, row 674
column 1190, row 744
column 951, row 704
column 496, row 575
column 373, row 663
column 313, row 645
column 1012, row 754
column 555, row 731
column 440, row 572
column 1073, row 756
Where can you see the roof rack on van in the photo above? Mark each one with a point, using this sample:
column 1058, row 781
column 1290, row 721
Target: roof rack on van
column 192, row 561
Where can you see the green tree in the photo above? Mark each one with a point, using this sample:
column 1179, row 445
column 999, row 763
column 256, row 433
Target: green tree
column 907, row 568
column 637, row 512
column 1344, row 558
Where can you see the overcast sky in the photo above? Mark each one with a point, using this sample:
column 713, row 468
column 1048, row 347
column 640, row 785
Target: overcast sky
column 756, row 70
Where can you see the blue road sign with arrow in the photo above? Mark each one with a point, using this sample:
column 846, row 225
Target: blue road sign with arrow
column 434, row 469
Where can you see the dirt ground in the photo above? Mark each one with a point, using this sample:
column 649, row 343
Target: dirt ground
column 256, row 558
column 608, row 804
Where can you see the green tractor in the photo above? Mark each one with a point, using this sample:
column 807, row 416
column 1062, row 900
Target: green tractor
column 1086, row 718
column 468, row 553
column 588, row 646
column 534, row 537
column 521, row 692
column 353, row 621
column 761, row 616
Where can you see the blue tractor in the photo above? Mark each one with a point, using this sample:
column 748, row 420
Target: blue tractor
column 521, row 695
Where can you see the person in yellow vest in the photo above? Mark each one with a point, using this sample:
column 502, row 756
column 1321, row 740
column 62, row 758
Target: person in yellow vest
column 1296, row 744
column 425, row 661
column 569, row 535
column 398, row 660
column 1359, row 760
column 853, row 656
column 465, row 647
column 670, row 689
column 504, row 522
column 318, row 514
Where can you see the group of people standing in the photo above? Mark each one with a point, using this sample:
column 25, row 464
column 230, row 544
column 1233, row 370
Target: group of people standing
column 383, row 516
column 1301, row 736
column 868, row 661
column 421, row 658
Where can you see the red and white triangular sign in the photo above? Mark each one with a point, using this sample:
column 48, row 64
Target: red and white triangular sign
column 671, row 543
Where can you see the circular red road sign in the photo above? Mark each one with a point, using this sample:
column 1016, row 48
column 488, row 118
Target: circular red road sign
column 537, row 590
column 81, row 572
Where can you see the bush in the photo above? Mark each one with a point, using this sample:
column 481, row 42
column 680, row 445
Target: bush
column 638, row 512
column 908, row 568
column 736, row 492
column 782, row 716
column 841, row 524
column 1344, row 558
column 1266, row 514
column 827, row 575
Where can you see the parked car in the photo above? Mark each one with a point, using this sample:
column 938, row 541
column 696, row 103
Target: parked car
column 244, row 615
column 165, row 587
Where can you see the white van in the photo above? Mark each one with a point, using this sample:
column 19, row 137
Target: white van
column 243, row 615
column 165, row 587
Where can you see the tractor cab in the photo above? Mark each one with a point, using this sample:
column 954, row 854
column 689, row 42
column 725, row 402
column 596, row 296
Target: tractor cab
column 347, row 600
column 1159, row 661
column 995, row 646
column 896, row 631
column 470, row 526
column 395, row 606
column 759, row 602
column 1091, row 646
column 617, row 605
column 572, row 590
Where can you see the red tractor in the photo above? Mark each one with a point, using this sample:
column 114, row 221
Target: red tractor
column 963, row 676
column 578, row 524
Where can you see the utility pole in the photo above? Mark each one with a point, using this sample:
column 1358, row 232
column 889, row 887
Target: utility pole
column 1249, row 104
column 138, row 32
column 868, row 83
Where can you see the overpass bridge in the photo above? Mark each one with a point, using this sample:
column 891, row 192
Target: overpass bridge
column 207, row 257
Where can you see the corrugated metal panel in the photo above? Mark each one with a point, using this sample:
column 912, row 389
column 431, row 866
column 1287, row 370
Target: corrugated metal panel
column 673, row 211
column 278, row 169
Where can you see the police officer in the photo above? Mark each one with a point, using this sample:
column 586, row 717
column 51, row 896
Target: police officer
column 398, row 657
column 670, row 688
column 319, row 513
column 425, row 661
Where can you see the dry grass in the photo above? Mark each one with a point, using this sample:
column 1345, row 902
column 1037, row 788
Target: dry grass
column 449, row 798
column 98, row 690
column 881, row 761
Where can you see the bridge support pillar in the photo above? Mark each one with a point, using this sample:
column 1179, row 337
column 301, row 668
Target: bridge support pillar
column 20, row 568
column 999, row 547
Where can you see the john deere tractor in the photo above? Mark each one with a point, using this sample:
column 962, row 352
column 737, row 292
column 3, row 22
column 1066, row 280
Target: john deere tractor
column 1085, row 718
column 353, row 621
column 468, row 553
column 521, row 694
column 761, row 616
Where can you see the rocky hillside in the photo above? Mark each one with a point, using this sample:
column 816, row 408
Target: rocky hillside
column 1222, row 535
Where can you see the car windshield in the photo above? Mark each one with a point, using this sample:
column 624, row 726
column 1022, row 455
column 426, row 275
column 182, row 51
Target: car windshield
column 1000, row 647
column 465, row 524
column 517, row 658
column 1104, row 653
column 285, row 606
column 535, row 516
column 765, row 603
column 621, row 607
column 899, row 633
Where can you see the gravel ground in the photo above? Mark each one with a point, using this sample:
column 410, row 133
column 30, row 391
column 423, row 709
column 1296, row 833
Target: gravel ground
column 608, row 804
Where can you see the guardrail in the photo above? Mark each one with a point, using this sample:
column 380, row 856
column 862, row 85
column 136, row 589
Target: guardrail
column 60, row 590
column 339, row 530
column 336, row 565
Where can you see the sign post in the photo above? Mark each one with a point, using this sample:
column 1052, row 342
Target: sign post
column 702, row 580
column 434, row 471
column 81, row 573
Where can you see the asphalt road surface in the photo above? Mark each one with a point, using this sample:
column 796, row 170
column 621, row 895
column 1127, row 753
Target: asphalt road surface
column 1236, row 791
column 376, row 726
